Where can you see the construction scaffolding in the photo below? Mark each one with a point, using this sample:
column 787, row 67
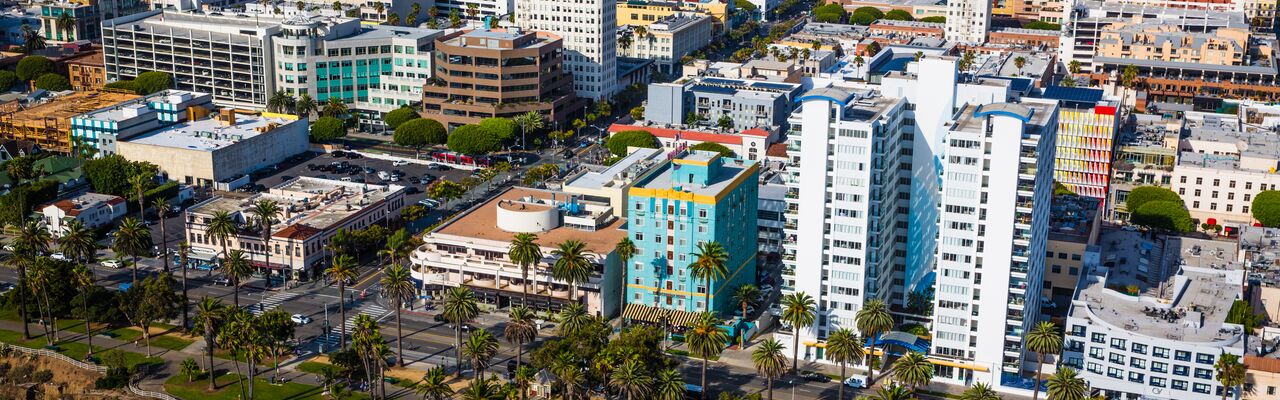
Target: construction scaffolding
column 48, row 123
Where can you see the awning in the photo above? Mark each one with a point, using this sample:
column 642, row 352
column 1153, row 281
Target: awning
column 949, row 363
column 641, row 312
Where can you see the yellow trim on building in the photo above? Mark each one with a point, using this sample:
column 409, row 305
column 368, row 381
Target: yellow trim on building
column 704, row 163
column 671, row 194
column 691, row 294
column 947, row 363
column 290, row 117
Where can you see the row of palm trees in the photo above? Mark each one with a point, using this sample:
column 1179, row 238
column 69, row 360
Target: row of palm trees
column 305, row 106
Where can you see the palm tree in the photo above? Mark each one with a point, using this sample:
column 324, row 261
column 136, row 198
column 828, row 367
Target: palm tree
column 334, row 107
column 77, row 242
column 1065, row 384
column 709, row 264
column 571, row 375
column 434, row 385
column 1019, row 62
column 1043, row 339
column 631, row 380
column 482, row 389
column 222, row 226
column 37, row 284
column 668, row 384
column 31, row 244
column 529, row 121
column 893, row 391
column 67, row 24
column 625, row 250
column 83, row 277
column 236, row 267
column 872, row 320
column 139, row 183
column 365, row 340
column 913, row 370
column 264, row 213
column 573, row 318
column 343, row 269
column 162, row 208
column 480, row 348
column 770, row 362
column 1231, row 373
column 571, row 265
column 525, row 252
column 706, row 338
column 397, row 285
column 132, row 239
column 979, row 391
column 208, row 315
column 184, row 251
column 520, row 329
column 1074, row 67
column 399, row 244
column 304, row 106
column 745, row 296
column 843, row 347
column 459, row 308
column 798, row 311
column 31, row 39
column 279, row 102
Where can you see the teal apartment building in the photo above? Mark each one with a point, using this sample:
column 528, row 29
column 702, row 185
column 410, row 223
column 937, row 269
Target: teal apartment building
column 693, row 197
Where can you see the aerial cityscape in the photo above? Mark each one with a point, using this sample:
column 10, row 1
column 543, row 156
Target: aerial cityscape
column 639, row 199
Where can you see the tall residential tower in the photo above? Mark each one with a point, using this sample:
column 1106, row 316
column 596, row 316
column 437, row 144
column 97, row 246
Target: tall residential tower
column 589, row 29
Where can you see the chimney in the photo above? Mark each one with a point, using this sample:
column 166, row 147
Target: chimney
column 227, row 117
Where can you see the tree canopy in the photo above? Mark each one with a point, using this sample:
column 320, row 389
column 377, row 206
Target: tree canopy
column 716, row 147
column 619, row 142
column 1043, row 25
column 502, row 128
column 1143, row 194
column 898, row 15
column 32, row 67
column 53, row 82
column 7, row 79
column 830, row 13
column 152, row 81
column 1266, row 208
column 472, row 139
column 399, row 116
column 935, row 19
column 419, row 133
column 1164, row 215
column 110, row 174
column 326, row 129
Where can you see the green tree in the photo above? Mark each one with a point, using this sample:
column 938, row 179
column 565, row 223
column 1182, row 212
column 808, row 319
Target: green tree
column 133, row 240
column 434, row 385
column 770, row 362
column 342, row 270
column 1231, row 373
column 625, row 249
column 7, row 80
column 1066, row 384
column 154, row 81
column 502, row 128
column 190, row 369
column 637, row 112
column 745, row 297
column 898, row 15
column 326, row 129
column 1164, row 215
column 725, row 122
column 844, row 347
column 1041, row 25
column 631, row 380
column 1241, row 313
column 668, row 384
column 913, row 370
column 83, row 277
column 937, row 19
column 520, row 329
column 571, row 266
column 53, row 82
column 264, row 213
column 459, row 308
column 980, row 391
column 472, row 139
column 305, row 106
column 573, row 319
column 525, row 252
column 1043, row 339
column 1019, row 62
column 419, row 133
column 798, row 310
column 162, row 207
column 153, row 301
column 280, row 102
column 1266, row 208
column 713, row 147
column 1129, row 78
column 1143, row 194
column 209, row 314
column 334, row 107
column 480, row 348
column 893, row 391
column 863, row 18
column 872, row 320
column 529, row 121
column 709, row 264
column 110, row 174
column 31, row 39
column 237, row 267
column 32, row 67
column 397, row 286
column 1074, row 66
column 399, row 116
column 706, row 339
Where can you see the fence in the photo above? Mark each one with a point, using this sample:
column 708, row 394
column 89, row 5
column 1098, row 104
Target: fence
column 133, row 383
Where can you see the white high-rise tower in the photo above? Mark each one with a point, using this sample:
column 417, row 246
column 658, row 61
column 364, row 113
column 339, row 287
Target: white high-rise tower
column 968, row 21
column 589, row 29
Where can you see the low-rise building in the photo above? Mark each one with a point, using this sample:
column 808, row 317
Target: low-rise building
column 92, row 209
column 749, row 144
column 770, row 70
column 1145, row 156
column 610, row 184
column 1221, row 165
column 87, row 73
column 1025, row 38
column 103, row 128
column 918, row 8
column 471, row 250
column 205, row 151
column 312, row 211
column 889, row 27
column 745, row 103
column 645, row 12
column 1074, row 227
column 48, row 122
column 668, row 39
column 1150, row 321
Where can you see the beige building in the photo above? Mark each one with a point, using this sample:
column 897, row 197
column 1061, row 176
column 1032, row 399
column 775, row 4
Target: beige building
column 669, row 39
column 224, row 147
column 1222, row 165
column 643, row 13
column 312, row 210
column 1072, row 245
column 1165, row 42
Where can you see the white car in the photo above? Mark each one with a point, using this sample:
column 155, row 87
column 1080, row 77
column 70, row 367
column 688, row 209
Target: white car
column 399, row 163
column 300, row 319
column 111, row 263
column 855, row 382
column 59, row 256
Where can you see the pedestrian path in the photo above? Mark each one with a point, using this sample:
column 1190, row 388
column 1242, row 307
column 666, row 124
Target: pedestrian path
column 371, row 309
column 272, row 301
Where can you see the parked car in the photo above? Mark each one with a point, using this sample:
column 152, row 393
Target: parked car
column 59, row 256
column 222, row 280
column 5, row 287
column 439, row 318
column 338, row 154
column 428, row 179
column 429, row 202
column 814, row 377
column 412, row 190
column 399, row 163
column 414, row 180
column 855, row 382
column 112, row 263
column 370, row 170
column 300, row 319
column 354, row 156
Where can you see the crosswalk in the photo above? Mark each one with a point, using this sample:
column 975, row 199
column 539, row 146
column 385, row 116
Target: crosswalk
column 272, row 301
column 372, row 310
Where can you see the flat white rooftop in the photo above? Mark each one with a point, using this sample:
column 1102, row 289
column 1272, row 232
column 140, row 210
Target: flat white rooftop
column 210, row 134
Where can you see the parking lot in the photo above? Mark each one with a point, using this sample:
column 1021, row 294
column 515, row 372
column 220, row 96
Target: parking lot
column 362, row 169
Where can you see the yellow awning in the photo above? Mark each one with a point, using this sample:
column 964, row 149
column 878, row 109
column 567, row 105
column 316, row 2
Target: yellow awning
column 948, row 363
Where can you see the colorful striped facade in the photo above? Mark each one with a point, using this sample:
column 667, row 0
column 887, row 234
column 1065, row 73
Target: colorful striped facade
column 1086, row 139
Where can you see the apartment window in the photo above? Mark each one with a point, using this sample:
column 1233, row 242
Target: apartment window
column 1160, row 352
column 1118, row 344
column 1199, row 181
column 1181, row 355
column 1115, row 358
column 1157, row 381
column 1181, row 370
column 1204, row 373
column 1160, row 367
column 1098, row 338
column 1197, row 192
column 702, row 213
column 1204, row 358
column 1115, row 373
column 1248, row 185
column 1195, row 204
column 1200, row 388
column 1136, row 377
column 1179, row 385
column 1137, row 362
column 1096, row 352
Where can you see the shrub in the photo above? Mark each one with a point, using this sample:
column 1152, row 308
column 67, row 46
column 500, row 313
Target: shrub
column 7, row 79
column 619, row 142
column 399, row 116
column 152, row 81
column 42, row 376
column 898, row 15
column 713, row 147
column 935, row 19
column 472, row 139
column 502, row 128
column 1141, row 195
column 1163, row 214
column 32, row 67
column 1266, row 208
column 326, row 129
column 53, row 82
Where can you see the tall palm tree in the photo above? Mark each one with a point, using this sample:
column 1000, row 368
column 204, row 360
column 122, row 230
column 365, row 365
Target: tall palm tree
column 140, row 183
column 1066, row 384
column 631, row 380
column 913, row 370
column 706, row 339
column 529, row 121
column 459, row 308
column 1230, row 373
column 184, row 254
column 481, row 389
column 571, row 265
column 709, row 264
column 571, row 375
column 893, row 391
column 1043, row 339
column 334, row 107
column 162, row 208
column 573, row 318
column 365, row 338
column 625, row 249
column 797, row 310
column 77, row 242
column 397, row 285
column 843, row 347
column 480, row 348
column 31, row 244
column 132, row 239
column 67, row 24
column 343, row 269
column 209, row 314
column 279, row 102
column 304, row 106
column 979, row 391
column 222, row 226
column 236, row 266
column 769, row 362
column 525, row 252
column 668, row 384
column 38, row 284
column 31, row 39
column 399, row 244
column 264, row 214
column 434, row 385
column 520, row 329
column 524, row 375
column 745, row 296
column 872, row 320
column 83, row 277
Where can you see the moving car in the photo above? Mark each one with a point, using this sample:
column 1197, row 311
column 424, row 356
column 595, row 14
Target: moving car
column 300, row 319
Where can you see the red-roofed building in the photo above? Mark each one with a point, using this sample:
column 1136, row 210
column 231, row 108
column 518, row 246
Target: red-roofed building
column 749, row 144
column 92, row 209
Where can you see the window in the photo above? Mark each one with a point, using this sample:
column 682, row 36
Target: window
column 1203, row 373
column 1115, row 358
column 1157, row 381
column 1138, row 362
column 1182, row 355
column 1200, row 388
column 1204, row 358
column 1179, row 385
column 1160, row 352
column 702, row 213
column 1098, row 338
column 1115, row 373
column 1136, row 377
column 1181, row 370
column 1139, row 348
column 1095, row 352
column 1118, row 344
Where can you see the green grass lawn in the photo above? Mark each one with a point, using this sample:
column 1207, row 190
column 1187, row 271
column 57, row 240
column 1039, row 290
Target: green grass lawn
column 76, row 350
column 228, row 389
column 170, row 342
column 312, row 367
